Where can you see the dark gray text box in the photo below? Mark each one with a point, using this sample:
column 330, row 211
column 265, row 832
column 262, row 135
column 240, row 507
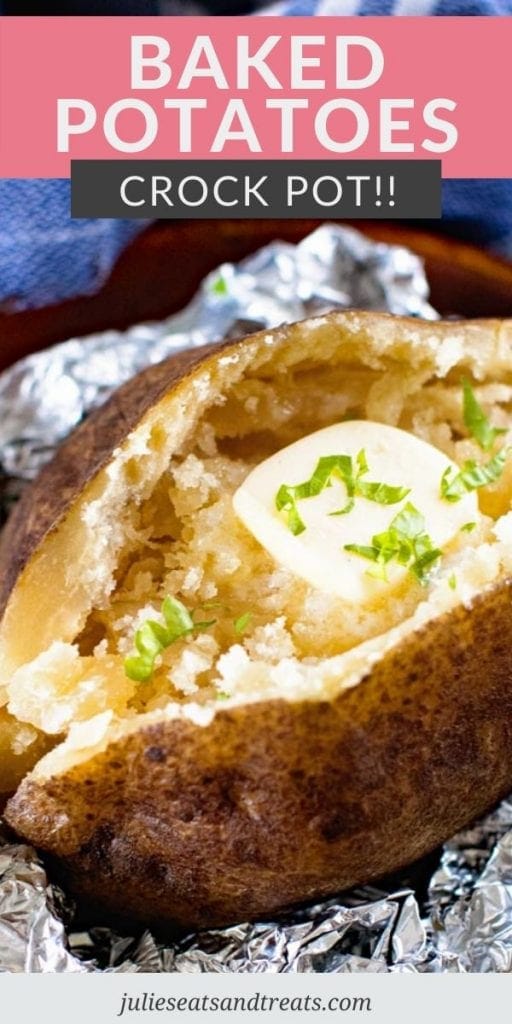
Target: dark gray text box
column 233, row 189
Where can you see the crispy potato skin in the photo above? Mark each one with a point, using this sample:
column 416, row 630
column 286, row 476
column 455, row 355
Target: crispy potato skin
column 181, row 827
column 44, row 504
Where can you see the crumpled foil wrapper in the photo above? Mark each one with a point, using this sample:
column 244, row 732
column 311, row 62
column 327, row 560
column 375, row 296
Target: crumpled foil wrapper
column 450, row 913
column 44, row 396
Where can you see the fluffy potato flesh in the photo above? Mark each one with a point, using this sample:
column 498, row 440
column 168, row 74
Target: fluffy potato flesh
column 158, row 520
column 179, row 536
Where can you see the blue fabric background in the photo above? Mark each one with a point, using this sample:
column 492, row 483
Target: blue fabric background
column 45, row 256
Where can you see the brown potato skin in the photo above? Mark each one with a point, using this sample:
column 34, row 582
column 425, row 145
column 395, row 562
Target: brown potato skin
column 181, row 827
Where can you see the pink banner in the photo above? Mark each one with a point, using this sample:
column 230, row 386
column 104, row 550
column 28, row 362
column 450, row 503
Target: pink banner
column 255, row 88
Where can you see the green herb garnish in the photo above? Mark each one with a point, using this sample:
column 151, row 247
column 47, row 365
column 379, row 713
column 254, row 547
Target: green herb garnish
column 472, row 476
column 219, row 286
column 383, row 494
column 405, row 542
column 468, row 527
column 476, row 420
column 340, row 467
column 242, row 622
column 286, row 501
column 153, row 637
column 454, row 485
column 452, row 581
column 221, row 695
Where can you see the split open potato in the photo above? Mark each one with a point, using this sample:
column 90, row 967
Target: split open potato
column 194, row 731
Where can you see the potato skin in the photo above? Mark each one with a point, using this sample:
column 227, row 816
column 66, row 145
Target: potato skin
column 181, row 826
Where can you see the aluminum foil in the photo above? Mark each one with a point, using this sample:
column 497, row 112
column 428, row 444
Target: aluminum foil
column 44, row 396
column 452, row 912
column 463, row 923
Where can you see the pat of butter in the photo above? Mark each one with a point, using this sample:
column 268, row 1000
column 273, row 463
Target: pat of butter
column 317, row 555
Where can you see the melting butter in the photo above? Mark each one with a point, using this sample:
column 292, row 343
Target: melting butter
column 317, row 555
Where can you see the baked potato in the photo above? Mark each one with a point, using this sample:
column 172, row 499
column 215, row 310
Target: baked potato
column 287, row 743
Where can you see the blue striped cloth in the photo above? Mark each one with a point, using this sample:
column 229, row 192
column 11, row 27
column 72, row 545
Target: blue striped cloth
column 366, row 8
column 46, row 257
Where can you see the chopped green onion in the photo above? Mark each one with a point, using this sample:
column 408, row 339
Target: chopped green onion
column 476, row 420
column 219, row 286
column 468, row 527
column 365, row 551
column 346, row 508
column 452, row 581
column 286, row 502
column 421, row 568
column 242, row 622
column 472, row 476
column 383, row 494
column 405, row 542
column 153, row 637
column 339, row 467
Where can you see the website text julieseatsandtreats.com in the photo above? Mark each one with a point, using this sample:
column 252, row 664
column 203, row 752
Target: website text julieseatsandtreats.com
column 256, row 1002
